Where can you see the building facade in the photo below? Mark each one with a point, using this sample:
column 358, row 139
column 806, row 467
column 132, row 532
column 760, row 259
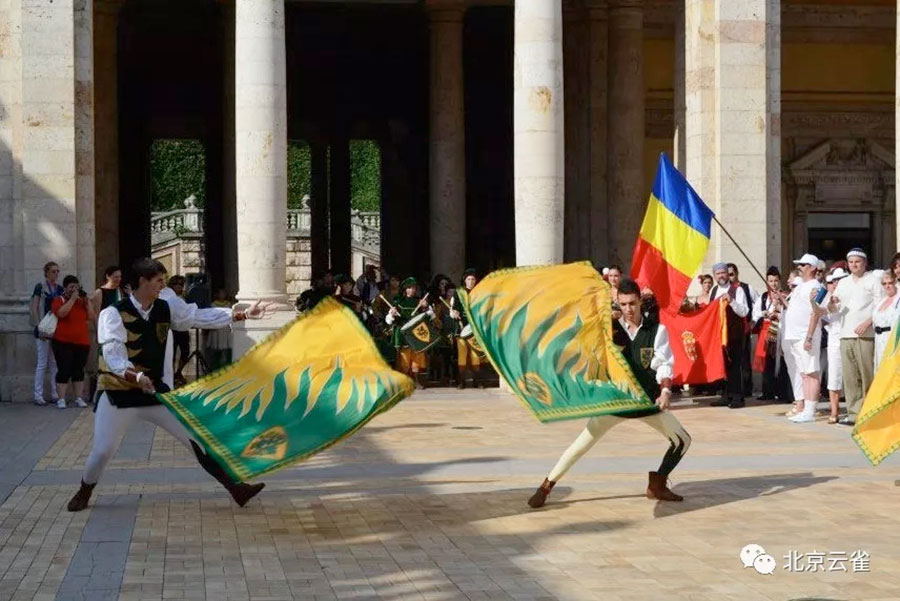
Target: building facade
column 518, row 132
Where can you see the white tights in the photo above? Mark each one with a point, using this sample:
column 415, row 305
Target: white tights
column 664, row 422
column 110, row 424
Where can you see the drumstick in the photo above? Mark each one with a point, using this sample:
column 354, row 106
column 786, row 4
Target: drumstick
column 443, row 300
column 390, row 306
column 424, row 298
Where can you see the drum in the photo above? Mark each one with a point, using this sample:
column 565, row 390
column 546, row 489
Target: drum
column 414, row 321
column 466, row 332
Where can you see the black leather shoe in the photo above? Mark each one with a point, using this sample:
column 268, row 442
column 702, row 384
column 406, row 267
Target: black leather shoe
column 720, row 403
column 736, row 404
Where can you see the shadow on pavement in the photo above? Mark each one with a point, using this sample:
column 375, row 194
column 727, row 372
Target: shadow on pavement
column 701, row 494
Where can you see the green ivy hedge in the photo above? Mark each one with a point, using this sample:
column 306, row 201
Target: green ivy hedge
column 178, row 169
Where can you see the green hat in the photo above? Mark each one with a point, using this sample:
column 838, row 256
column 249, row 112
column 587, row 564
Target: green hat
column 342, row 279
column 410, row 281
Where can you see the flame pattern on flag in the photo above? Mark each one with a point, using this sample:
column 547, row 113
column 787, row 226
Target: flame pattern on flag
column 301, row 390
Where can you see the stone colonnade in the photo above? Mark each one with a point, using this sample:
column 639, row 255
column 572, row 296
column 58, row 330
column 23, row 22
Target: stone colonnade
column 732, row 122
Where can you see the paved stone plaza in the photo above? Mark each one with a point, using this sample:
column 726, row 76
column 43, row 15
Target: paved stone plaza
column 428, row 502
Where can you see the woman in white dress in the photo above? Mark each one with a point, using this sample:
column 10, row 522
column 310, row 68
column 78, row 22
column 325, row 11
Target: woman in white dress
column 885, row 314
column 833, row 323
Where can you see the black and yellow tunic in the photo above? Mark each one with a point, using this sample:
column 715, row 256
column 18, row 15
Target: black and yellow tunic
column 146, row 345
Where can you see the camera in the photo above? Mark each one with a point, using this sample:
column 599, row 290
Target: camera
column 81, row 292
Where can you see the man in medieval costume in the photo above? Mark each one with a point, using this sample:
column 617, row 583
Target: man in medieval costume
column 136, row 364
column 406, row 307
column 645, row 346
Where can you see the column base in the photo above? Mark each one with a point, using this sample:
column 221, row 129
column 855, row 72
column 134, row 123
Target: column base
column 247, row 334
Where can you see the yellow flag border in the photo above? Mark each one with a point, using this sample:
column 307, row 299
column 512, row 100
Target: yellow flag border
column 233, row 464
column 615, row 405
column 874, row 458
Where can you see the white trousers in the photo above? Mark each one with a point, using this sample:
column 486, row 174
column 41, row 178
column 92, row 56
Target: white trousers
column 663, row 422
column 45, row 359
column 835, row 365
column 110, row 423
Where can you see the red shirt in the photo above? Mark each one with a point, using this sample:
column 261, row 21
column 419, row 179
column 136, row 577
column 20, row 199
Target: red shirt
column 73, row 328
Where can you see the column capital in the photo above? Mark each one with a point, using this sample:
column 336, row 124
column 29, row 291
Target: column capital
column 597, row 10
column 626, row 4
column 108, row 7
column 445, row 10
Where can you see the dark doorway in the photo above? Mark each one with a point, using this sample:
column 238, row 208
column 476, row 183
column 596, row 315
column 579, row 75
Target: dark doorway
column 831, row 235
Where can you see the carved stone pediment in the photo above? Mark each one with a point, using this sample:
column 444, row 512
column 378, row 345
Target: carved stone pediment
column 843, row 173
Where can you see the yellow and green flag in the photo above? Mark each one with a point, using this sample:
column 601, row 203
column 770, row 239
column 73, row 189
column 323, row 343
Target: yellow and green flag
column 304, row 388
column 877, row 429
column 548, row 333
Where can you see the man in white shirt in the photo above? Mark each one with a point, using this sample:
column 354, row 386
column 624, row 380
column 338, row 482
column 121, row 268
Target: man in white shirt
column 136, row 363
column 853, row 299
column 738, row 309
column 802, row 333
column 646, row 349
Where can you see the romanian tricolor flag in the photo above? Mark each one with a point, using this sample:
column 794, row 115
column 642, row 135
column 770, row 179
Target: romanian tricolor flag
column 673, row 239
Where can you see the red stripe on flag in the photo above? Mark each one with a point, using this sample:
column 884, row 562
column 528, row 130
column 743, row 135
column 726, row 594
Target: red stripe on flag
column 650, row 270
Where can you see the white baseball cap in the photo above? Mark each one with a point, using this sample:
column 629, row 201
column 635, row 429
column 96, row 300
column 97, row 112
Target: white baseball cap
column 807, row 259
column 837, row 274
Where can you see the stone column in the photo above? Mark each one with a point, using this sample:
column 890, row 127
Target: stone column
column 678, row 106
column 339, row 207
column 576, row 116
column 318, row 208
column 229, row 181
column 447, row 148
column 626, row 127
column 261, row 148
column 733, row 130
column 46, row 165
column 598, row 54
column 538, row 144
column 106, row 128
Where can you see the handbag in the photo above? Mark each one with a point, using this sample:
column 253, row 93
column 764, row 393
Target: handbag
column 48, row 324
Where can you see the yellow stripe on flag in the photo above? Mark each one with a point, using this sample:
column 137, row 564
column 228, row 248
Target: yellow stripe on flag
column 681, row 246
column 877, row 429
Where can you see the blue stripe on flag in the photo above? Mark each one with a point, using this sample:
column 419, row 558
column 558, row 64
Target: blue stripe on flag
column 673, row 191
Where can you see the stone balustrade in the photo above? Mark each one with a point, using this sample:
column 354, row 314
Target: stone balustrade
column 365, row 226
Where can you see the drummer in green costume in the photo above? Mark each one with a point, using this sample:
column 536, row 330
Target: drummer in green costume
column 469, row 355
column 406, row 306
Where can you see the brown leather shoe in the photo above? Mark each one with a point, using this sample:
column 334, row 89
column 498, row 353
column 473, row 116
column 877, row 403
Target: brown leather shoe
column 242, row 492
column 540, row 495
column 81, row 498
column 657, row 489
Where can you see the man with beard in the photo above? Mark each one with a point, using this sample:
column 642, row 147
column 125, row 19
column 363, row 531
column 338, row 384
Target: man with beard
column 738, row 308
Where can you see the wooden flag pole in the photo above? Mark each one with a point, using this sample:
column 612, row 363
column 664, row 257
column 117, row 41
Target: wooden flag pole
column 741, row 250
